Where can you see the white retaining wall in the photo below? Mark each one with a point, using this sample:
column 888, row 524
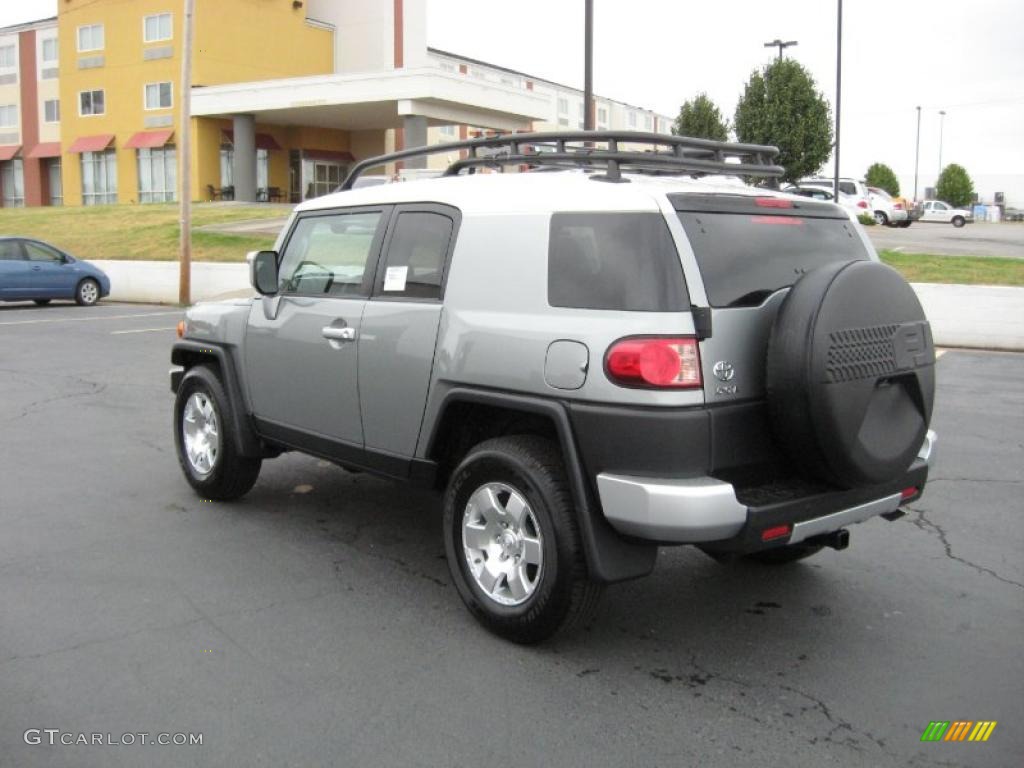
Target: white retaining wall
column 981, row 316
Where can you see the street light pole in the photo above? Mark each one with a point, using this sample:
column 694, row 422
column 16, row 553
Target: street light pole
column 917, row 152
column 839, row 92
column 588, row 67
column 777, row 43
column 185, row 150
column 942, row 119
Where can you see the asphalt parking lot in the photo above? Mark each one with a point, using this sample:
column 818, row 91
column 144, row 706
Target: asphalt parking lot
column 314, row 623
column 980, row 239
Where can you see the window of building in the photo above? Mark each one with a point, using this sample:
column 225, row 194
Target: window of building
column 12, row 183
column 648, row 123
column 447, row 66
column 9, row 116
column 158, row 96
column 227, row 167
column 99, row 177
column 8, row 57
column 56, row 186
column 51, row 111
column 91, row 103
column 51, row 51
column 563, row 105
column 448, row 131
column 563, row 121
column 90, row 38
column 632, row 119
column 156, row 27
column 582, row 111
column 158, row 175
column 602, row 115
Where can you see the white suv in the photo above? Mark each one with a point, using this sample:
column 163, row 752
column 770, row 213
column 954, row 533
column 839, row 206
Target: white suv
column 853, row 194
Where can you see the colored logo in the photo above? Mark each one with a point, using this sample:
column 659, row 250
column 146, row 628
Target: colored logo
column 958, row 730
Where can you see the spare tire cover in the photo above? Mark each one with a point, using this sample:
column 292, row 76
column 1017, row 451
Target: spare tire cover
column 850, row 374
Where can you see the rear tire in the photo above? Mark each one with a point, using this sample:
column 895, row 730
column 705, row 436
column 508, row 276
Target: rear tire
column 513, row 543
column 203, row 430
column 881, row 218
column 958, row 221
column 87, row 293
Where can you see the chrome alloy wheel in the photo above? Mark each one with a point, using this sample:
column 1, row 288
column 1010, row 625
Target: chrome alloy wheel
column 89, row 292
column 502, row 543
column 201, row 433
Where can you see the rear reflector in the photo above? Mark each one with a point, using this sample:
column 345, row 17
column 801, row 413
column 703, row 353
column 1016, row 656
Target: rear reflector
column 773, row 202
column 898, row 206
column 907, row 493
column 862, row 203
column 654, row 362
column 778, row 532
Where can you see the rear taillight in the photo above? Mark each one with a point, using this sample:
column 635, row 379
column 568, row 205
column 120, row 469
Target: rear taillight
column 654, row 362
column 772, row 202
column 898, row 206
column 862, row 203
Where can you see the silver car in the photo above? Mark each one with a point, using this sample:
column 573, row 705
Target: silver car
column 615, row 351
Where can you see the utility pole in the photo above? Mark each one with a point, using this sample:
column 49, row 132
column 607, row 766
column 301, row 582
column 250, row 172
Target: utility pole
column 185, row 149
column 588, row 66
column 777, row 43
column 942, row 119
column 917, row 152
column 839, row 91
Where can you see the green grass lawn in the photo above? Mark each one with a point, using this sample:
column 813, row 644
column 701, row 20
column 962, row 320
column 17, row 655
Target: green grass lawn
column 139, row 232
column 965, row 270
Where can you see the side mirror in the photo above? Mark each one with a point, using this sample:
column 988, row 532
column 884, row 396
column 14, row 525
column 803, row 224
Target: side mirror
column 263, row 271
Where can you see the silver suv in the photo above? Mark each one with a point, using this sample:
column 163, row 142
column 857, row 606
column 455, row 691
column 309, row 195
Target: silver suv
column 625, row 347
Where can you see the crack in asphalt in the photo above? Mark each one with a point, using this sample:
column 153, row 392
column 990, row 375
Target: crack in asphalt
column 929, row 526
column 92, row 388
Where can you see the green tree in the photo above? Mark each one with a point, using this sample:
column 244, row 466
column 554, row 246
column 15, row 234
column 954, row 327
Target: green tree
column 955, row 186
column 881, row 175
column 781, row 105
column 701, row 119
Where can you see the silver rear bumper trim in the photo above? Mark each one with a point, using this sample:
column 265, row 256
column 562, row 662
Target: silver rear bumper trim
column 843, row 518
column 685, row 511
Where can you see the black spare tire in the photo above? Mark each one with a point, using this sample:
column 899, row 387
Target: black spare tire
column 850, row 375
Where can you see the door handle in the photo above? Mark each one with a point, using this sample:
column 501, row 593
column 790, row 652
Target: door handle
column 338, row 334
column 36, row 268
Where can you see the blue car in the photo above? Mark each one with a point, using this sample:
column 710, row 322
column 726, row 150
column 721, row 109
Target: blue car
column 33, row 270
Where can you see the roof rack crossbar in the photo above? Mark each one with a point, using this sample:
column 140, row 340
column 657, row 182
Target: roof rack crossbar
column 663, row 154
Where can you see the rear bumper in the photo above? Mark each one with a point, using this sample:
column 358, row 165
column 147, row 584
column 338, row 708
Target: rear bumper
column 704, row 510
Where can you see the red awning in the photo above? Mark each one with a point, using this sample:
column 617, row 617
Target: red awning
column 46, row 149
column 263, row 140
column 9, row 151
column 92, row 143
column 149, row 139
column 329, row 154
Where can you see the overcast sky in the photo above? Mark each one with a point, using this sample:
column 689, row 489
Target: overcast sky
column 964, row 57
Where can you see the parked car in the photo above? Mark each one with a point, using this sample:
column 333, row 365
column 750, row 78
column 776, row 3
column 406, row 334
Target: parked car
column 815, row 193
column 33, row 270
column 944, row 213
column 853, row 194
column 888, row 210
column 585, row 371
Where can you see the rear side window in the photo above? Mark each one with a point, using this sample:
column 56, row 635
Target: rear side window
column 414, row 266
column 745, row 257
column 618, row 261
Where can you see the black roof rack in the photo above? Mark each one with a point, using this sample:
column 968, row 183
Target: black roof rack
column 646, row 153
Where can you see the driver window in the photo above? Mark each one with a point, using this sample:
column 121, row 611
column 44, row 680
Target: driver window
column 40, row 252
column 327, row 255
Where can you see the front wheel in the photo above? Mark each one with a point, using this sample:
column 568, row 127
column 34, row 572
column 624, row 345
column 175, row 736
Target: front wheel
column 202, row 435
column 958, row 221
column 88, row 292
column 512, row 540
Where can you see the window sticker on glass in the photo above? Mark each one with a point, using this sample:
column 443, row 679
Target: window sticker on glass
column 394, row 278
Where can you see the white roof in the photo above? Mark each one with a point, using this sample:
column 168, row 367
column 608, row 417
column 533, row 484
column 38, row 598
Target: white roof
column 535, row 192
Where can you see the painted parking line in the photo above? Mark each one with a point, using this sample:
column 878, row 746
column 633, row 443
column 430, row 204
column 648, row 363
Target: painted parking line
column 88, row 319
column 144, row 330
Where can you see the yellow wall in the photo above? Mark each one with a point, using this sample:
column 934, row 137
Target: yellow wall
column 235, row 40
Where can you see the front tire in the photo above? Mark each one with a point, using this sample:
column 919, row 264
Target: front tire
column 958, row 221
column 203, row 432
column 513, row 543
column 87, row 293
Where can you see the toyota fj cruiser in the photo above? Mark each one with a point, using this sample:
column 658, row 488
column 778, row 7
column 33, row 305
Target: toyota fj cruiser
column 623, row 348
